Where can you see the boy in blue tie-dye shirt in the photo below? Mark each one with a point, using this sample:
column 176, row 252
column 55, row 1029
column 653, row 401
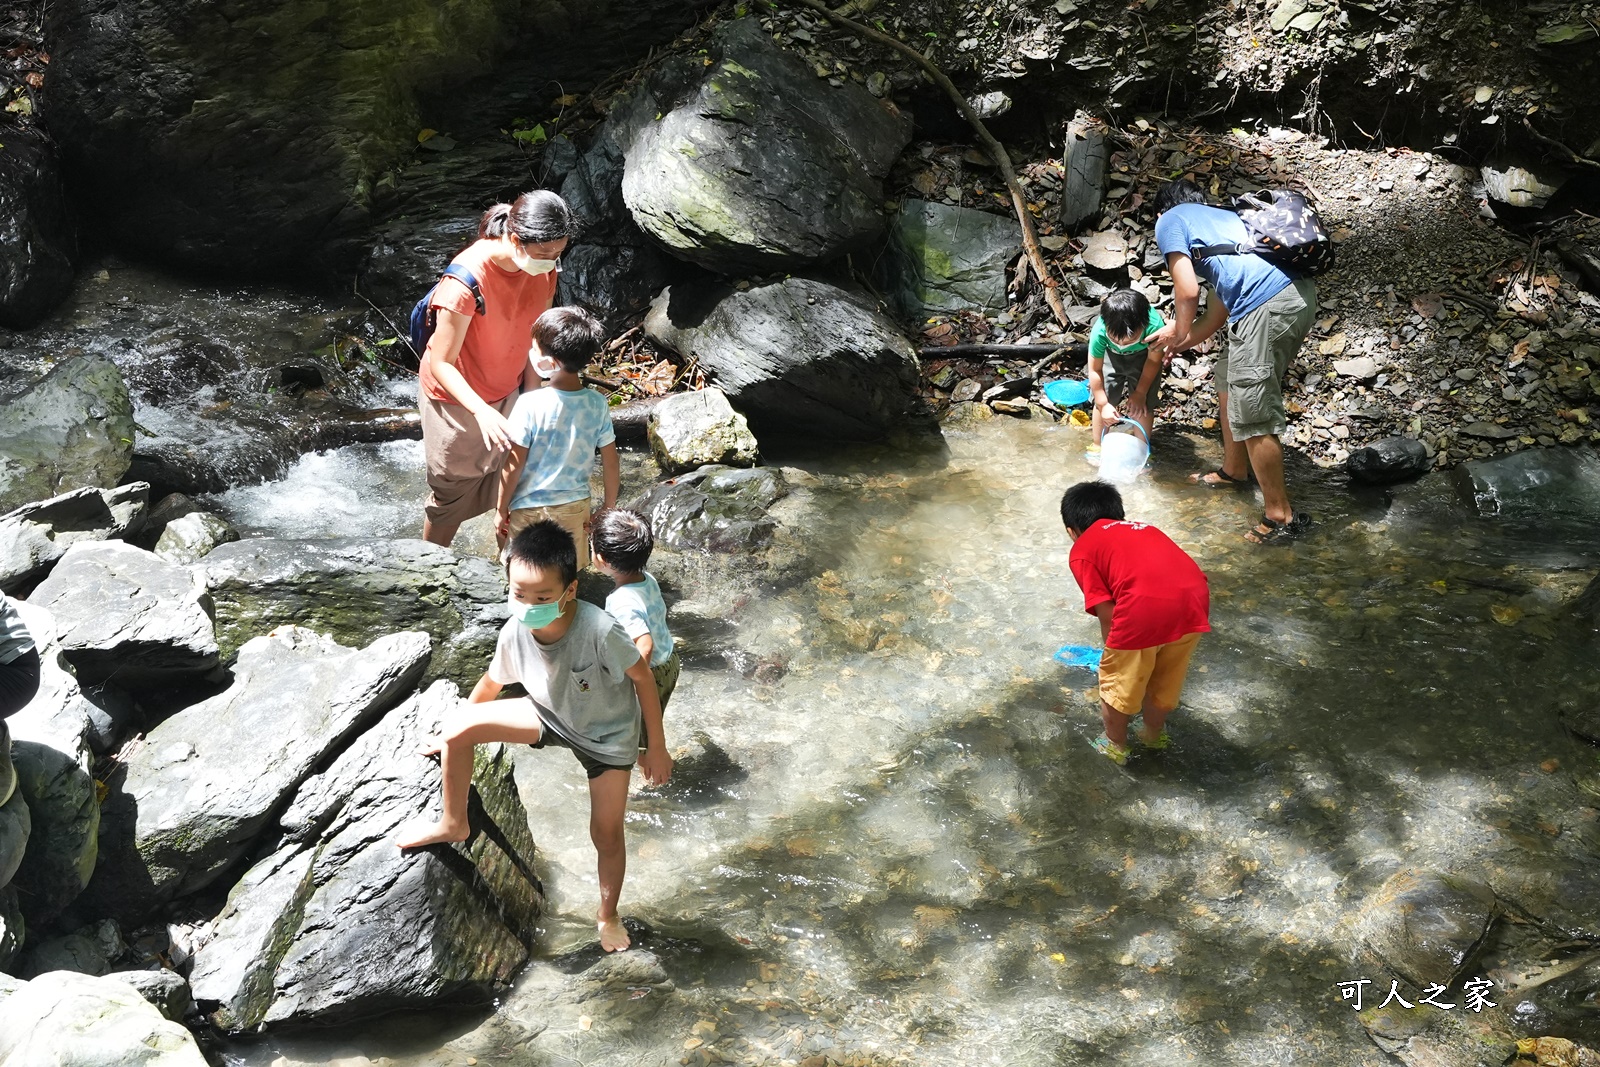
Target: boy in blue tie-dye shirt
column 622, row 545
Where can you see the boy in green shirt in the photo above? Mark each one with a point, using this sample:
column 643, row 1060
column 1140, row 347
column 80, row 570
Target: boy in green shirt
column 1124, row 369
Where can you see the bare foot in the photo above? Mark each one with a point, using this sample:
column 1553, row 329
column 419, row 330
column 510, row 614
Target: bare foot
column 613, row 935
column 420, row 832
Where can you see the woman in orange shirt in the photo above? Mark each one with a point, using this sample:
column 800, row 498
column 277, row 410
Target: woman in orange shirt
column 476, row 365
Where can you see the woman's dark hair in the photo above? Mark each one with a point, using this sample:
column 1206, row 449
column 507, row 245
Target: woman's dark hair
column 1087, row 502
column 545, row 544
column 623, row 537
column 536, row 218
column 1126, row 313
column 570, row 336
column 1182, row 191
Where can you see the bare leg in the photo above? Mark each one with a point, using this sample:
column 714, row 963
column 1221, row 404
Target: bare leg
column 1266, row 459
column 1097, row 425
column 608, row 803
column 1235, row 460
column 478, row 724
column 1155, row 719
column 440, row 533
column 1116, row 724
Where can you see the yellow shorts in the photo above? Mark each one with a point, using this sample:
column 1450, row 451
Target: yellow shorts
column 1131, row 676
column 573, row 518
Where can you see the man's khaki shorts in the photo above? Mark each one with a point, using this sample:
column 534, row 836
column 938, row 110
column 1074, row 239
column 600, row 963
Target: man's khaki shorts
column 1130, row 677
column 1260, row 346
column 463, row 476
column 570, row 517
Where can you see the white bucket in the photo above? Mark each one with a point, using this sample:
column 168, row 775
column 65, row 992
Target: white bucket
column 1123, row 454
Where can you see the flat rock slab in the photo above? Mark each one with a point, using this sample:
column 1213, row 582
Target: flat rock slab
column 754, row 163
column 358, row 590
column 71, row 430
column 206, row 781
column 74, row 1020
column 338, row 923
column 124, row 612
column 797, row 357
column 1425, row 925
column 35, row 536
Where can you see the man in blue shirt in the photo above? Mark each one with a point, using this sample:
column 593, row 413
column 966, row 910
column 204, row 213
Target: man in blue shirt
column 1268, row 313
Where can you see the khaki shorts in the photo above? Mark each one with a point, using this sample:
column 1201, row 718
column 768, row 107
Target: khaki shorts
column 1260, row 346
column 571, row 517
column 463, row 477
column 666, row 677
column 1129, row 677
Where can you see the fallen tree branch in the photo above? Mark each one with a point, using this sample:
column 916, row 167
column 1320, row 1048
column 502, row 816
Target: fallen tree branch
column 1551, row 142
column 997, row 151
column 978, row 348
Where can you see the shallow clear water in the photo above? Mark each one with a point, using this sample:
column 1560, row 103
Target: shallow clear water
column 916, row 857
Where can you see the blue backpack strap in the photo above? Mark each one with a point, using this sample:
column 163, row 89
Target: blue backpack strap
column 464, row 276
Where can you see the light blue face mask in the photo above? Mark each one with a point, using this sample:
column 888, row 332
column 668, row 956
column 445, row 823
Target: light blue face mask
column 534, row 616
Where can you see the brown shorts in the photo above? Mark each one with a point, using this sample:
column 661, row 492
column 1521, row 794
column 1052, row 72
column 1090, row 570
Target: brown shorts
column 463, row 477
column 1131, row 676
column 573, row 518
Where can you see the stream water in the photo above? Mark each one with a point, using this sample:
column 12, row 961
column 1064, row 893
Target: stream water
column 912, row 855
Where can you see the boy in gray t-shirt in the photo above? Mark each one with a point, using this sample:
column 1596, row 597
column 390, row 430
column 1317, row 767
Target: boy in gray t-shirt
column 587, row 690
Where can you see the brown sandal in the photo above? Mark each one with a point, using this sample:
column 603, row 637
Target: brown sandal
column 1219, row 479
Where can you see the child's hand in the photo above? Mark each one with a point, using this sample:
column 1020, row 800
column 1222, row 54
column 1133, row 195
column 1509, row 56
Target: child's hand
column 656, row 765
column 1108, row 412
column 502, row 528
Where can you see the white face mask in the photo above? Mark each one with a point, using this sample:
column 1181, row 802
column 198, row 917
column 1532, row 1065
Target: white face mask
column 528, row 265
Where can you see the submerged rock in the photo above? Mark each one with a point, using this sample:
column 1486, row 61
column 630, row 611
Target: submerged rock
column 298, row 939
column 797, row 357
column 70, row 430
column 205, row 783
column 947, row 258
column 358, row 590
column 1425, row 926
column 36, row 240
column 1544, row 483
column 690, row 430
column 35, row 536
column 65, row 1019
column 755, row 164
column 124, row 612
column 1393, row 459
column 713, row 508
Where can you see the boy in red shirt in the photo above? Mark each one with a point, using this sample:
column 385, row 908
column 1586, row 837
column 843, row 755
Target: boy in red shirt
column 1153, row 604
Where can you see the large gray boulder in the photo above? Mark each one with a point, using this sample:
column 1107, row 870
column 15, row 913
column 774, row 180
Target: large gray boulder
column 88, row 950
column 946, row 258
column 16, row 823
column 261, row 139
column 60, row 715
column 62, row 1019
column 60, row 793
column 126, row 613
column 756, row 164
column 689, row 430
column 797, row 357
column 357, row 590
column 1543, row 483
column 206, row 782
column 35, row 536
column 167, row 990
column 73, row 428
column 36, row 240
column 338, row 923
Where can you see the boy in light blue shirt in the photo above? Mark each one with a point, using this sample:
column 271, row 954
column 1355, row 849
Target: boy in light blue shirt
column 622, row 545
column 555, row 431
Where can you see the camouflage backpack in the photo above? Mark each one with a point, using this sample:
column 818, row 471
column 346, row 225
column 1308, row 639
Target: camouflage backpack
column 1283, row 229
